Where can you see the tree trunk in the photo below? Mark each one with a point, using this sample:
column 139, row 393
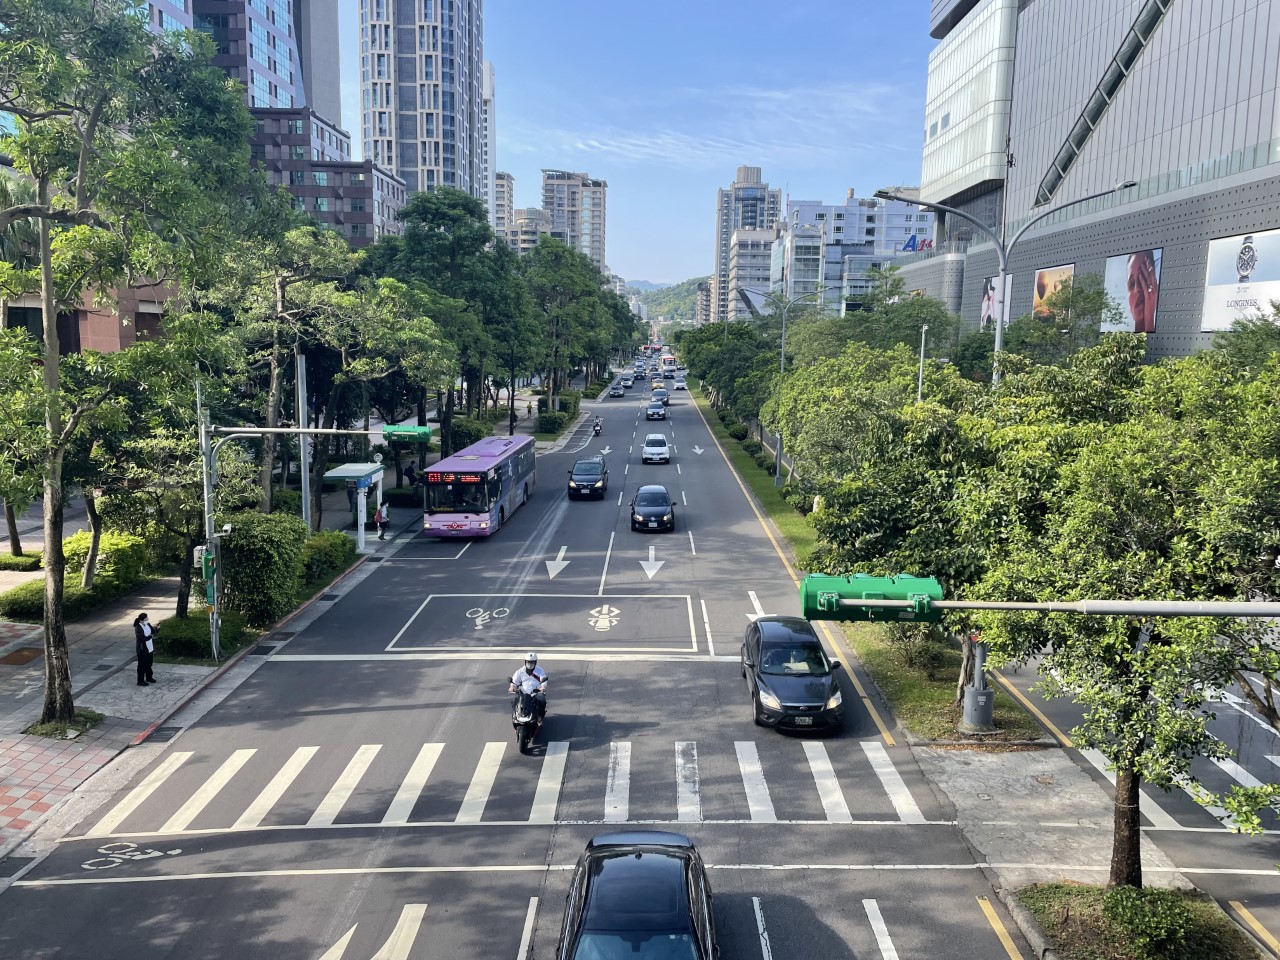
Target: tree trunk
column 322, row 452
column 180, row 610
column 95, row 540
column 11, row 522
column 272, row 418
column 446, row 426
column 966, row 666
column 58, row 705
column 1126, row 842
column 422, row 422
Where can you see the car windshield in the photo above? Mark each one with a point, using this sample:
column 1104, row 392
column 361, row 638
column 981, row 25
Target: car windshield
column 587, row 468
column 641, row 945
column 652, row 405
column 457, row 498
column 800, row 659
column 656, row 442
column 651, row 500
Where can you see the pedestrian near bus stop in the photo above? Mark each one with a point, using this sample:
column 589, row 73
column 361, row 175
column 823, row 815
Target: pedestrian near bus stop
column 383, row 519
column 144, row 644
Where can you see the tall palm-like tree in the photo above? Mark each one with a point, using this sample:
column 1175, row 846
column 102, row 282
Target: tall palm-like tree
column 19, row 247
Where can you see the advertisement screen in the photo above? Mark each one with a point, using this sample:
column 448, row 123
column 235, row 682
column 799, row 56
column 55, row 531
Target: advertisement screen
column 1241, row 279
column 1048, row 281
column 989, row 304
column 1133, row 283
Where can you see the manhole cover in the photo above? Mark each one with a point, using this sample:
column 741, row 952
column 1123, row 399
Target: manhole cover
column 328, row 596
column 163, row 734
column 22, row 655
column 262, row 651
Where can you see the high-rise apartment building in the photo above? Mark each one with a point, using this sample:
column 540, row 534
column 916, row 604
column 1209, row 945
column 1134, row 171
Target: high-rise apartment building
column 420, row 93
column 488, row 140
column 750, row 259
column 575, row 205
column 528, row 225
column 504, row 198
column 316, row 25
column 702, row 306
column 747, row 204
column 257, row 45
column 166, row 15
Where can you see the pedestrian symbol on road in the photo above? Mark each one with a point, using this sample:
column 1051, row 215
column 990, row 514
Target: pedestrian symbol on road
column 605, row 617
column 481, row 616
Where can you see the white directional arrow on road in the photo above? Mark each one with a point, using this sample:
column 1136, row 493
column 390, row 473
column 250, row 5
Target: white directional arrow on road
column 652, row 566
column 558, row 564
column 606, row 450
column 698, row 451
column 755, row 602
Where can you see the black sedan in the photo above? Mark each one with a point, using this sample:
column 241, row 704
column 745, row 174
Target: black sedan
column 589, row 478
column 640, row 894
column 653, row 509
column 617, row 391
column 792, row 682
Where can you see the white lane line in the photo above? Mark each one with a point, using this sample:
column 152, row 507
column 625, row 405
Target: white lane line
column 892, row 782
column 627, row 468
column 692, row 548
column 765, row 952
column 345, row 785
column 824, row 776
column 340, row 947
column 138, row 795
column 755, row 604
column 688, row 786
column 411, row 786
column 1148, row 807
column 1274, row 758
column 617, row 788
column 274, row 790
column 1239, row 773
column 406, row 930
column 759, row 803
column 619, row 498
column 706, row 625
column 683, row 498
column 678, row 470
column 887, row 950
column 208, row 790
column 547, row 796
column 526, row 937
column 472, row 808
column 607, row 554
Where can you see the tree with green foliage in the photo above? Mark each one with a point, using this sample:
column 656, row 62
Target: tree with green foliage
column 1252, row 341
column 1074, row 316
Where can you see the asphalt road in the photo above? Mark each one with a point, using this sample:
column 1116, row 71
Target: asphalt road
column 360, row 795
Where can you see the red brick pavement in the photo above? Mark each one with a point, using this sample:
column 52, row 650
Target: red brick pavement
column 36, row 774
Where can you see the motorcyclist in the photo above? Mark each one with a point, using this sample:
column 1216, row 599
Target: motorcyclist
column 599, row 425
column 530, row 678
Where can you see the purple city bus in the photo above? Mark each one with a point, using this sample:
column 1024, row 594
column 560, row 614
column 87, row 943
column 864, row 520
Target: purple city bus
column 474, row 491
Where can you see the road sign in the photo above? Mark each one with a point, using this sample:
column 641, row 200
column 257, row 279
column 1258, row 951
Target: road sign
column 821, row 596
column 411, row 434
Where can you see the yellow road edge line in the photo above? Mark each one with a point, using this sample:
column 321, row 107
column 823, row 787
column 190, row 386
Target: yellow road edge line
column 998, row 926
column 857, row 685
column 1263, row 933
column 1035, row 711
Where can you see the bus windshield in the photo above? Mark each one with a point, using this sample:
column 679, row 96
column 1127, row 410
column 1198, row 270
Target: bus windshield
column 457, row 498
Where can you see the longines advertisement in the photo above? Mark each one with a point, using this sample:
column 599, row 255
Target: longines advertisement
column 1133, row 284
column 1241, row 279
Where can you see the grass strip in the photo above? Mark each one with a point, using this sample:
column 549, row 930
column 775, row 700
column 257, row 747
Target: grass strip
column 1089, row 922
column 57, row 729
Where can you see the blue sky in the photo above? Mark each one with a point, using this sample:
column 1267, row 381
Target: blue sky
column 664, row 99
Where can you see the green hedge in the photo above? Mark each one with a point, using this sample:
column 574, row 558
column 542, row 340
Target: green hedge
column 407, row 497
column 286, row 501
column 25, row 602
column 738, row 431
column 262, row 564
column 752, row 447
column 122, row 557
column 325, row 555
column 552, row 422
column 189, row 636
column 467, row 431
column 23, row 564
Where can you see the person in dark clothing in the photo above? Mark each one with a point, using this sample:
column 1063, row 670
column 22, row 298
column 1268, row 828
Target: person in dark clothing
column 411, row 474
column 144, row 637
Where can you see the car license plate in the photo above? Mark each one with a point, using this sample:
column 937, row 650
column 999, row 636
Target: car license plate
column 653, row 523
column 804, row 721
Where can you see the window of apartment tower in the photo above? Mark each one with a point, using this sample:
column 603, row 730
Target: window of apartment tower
column 321, row 205
column 320, row 178
column 297, row 177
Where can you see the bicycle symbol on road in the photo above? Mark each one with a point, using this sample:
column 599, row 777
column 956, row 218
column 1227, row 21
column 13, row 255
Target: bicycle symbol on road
column 604, row 617
column 481, row 616
column 118, row 853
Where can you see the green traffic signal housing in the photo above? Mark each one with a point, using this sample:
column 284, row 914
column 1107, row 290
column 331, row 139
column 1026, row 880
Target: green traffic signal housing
column 412, row 434
column 906, row 599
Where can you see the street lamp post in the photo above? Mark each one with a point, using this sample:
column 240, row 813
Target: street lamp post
column 1002, row 250
column 924, row 329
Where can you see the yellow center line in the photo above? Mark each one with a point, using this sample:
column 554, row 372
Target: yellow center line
column 997, row 925
column 1035, row 711
column 795, row 579
column 1263, row 933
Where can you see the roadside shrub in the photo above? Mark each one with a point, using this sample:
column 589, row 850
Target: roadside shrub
column 770, row 467
column 189, row 636
column 122, row 557
column 763, row 458
column 286, row 501
column 752, row 447
column 467, row 431
column 23, row 564
column 25, row 602
column 738, row 431
column 570, row 402
column 1158, row 920
column 552, row 422
column 726, row 418
column 326, row 554
column 262, row 564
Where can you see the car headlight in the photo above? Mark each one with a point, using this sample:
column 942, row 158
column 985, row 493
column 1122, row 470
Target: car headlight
column 598, row 483
column 572, row 485
column 666, row 517
column 835, row 701
column 636, row 516
column 769, row 700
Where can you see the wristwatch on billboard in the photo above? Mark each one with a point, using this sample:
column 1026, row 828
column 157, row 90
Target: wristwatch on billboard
column 1246, row 259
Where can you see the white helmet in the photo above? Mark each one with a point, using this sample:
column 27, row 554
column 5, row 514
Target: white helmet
column 530, row 659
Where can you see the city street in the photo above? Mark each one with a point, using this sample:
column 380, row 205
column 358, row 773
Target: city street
column 361, row 794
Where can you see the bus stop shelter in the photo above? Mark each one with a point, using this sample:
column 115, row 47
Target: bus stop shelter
column 363, row 476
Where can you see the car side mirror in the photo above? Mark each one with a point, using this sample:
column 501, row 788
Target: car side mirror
column 748, row 663
column 836, row 665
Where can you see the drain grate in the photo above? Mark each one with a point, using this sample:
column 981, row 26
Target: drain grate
column 328, row 596
column 375, row 560
column 262, row 650
column 163, row 734
column 282, row 635
column 104, row 666
column 22, row 655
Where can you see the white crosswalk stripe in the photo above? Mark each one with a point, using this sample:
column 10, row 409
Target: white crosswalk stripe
column 176, row 799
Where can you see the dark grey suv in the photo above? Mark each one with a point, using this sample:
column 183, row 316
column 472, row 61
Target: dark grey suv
column 589, row 478
column 792, row 682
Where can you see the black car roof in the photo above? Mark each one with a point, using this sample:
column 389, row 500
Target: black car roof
column 647, row 488
column 637, row 888
column 779, row 629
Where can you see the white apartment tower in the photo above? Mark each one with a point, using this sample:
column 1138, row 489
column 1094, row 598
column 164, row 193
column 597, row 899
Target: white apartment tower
column 575, row 206
column 747, row 204
column 420, row 91
column 504, row 197
column 488, row 141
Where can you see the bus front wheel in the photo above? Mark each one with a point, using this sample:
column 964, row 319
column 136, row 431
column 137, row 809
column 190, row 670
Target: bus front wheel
column 526, row 493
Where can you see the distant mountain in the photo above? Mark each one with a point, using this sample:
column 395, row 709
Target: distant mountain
column 644, row 286
column 677, row 303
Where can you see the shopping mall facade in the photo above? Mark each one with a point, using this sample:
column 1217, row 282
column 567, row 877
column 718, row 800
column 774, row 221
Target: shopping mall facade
column 1034, row 104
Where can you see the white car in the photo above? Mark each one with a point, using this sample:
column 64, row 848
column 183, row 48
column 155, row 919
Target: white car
column 655, row 449
column 680, row 384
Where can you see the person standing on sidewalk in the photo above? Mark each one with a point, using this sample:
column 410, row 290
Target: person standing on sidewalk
column 144, row 642
column 383, row 520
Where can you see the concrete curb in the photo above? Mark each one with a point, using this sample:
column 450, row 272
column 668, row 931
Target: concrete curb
column 1041, row 945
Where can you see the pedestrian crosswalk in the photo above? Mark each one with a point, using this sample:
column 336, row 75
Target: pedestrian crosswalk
column 442, row 784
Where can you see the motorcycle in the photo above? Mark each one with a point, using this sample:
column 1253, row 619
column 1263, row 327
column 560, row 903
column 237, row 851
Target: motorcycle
column 525, row 719
column 597, row 427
